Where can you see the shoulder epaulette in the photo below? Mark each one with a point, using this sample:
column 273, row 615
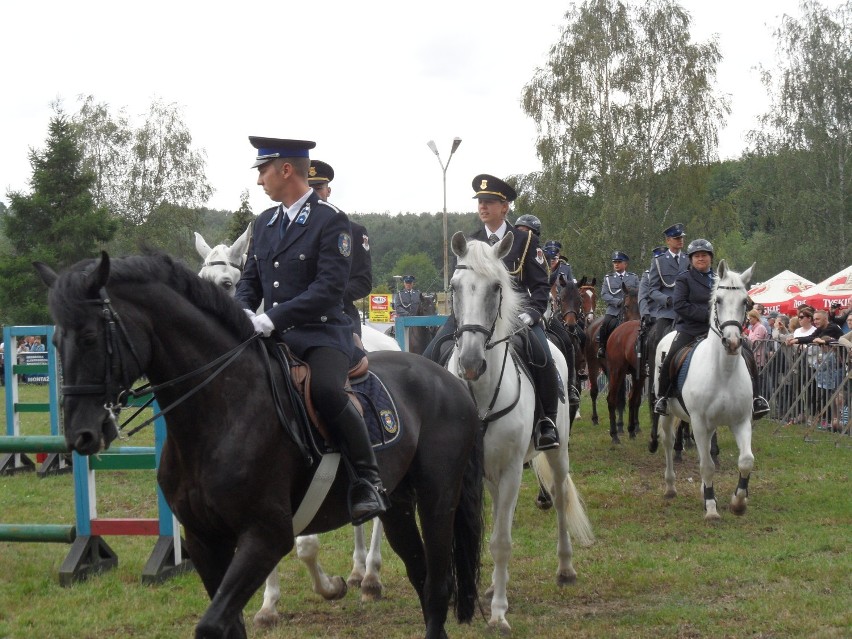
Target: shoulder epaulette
column 329, row 204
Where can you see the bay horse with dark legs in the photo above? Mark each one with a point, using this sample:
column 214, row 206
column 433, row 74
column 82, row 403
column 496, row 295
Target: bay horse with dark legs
column 629, row 310
column 621, row 361
column 231, row 469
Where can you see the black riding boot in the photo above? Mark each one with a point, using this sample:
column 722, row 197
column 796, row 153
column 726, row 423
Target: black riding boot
column 367, row 496
column 759, row 405
column 545, row 435
column 664, row 384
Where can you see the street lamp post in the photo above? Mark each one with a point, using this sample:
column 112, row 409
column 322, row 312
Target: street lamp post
column 431, row 144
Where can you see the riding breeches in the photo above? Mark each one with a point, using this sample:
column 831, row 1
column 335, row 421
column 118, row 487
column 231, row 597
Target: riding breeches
column 608, row 325
column 543, row 370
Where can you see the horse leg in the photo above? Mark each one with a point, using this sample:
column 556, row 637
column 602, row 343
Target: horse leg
column 371, row 586
column 543, row 501
column 307, row 549
column 667, row 434
column 404, row 537
column 255, row 557
column 707, row 469
column 622, row 393
column 612, row 399
column 739, row 500
column 593, row 392
column 714, row 451
column 678, row 444
column 504, row 495
column 635, row 403
column 359, row 559
column 654, row 442
column 268, row 616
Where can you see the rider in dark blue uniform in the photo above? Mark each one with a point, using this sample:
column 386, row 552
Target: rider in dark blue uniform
column 526, row 264
column 360, row 281
column 298, row 266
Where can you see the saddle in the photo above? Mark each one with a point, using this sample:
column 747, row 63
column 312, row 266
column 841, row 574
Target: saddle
column 679, row 359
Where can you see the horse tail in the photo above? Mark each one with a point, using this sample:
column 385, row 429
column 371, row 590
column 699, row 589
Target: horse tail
column 579, row 526
column 468, row 527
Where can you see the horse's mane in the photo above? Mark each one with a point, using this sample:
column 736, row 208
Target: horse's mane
column 72, row 291
column 481, row 260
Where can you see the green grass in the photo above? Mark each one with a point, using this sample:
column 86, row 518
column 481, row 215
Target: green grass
column 656, row 570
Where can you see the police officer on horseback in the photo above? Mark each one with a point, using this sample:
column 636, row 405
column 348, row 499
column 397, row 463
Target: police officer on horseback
column 613, row 294
column 406, row 302
column 647, row 308
column 320, row 175
column 299, row 263
column 558, row 264
column 526, row 264
column 691, row 304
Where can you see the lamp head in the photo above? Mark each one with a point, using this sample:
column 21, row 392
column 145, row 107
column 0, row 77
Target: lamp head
column 431, row 144
column 456, row 142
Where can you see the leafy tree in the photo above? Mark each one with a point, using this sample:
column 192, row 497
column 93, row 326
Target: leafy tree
column 801, row 159
column 422, row 268
column 58, row 223
column 138, row 169
column 626, row 96
column 241, row 219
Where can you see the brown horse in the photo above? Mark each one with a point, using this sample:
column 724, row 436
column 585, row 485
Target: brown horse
column 629, row 311
column 621, row 360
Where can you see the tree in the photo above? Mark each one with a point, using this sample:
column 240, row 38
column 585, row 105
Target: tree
column 421, row 267
column 625, row 96
column 241, row 219
column 802, row 149
column 137, row 170
column 58, row 223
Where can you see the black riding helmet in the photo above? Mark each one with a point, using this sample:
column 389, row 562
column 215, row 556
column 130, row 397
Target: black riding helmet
column 697, row 245
column 531, row 222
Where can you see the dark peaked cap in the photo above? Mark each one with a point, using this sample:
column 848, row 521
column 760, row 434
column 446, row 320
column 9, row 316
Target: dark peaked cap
column 272, row 148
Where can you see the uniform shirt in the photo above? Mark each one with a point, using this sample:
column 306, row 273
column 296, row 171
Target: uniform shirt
column 562, row 268
column 526, row 264
column 692, row 302
column 662, row 274
column 613, row 294
column 407, row 303
column 300, row 278
column 360, row 276
column 646, row 302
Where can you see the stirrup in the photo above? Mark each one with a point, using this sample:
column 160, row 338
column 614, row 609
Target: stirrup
column 759, row 408
column 546, row 440
column 662, row 406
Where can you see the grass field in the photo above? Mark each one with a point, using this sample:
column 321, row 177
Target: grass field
column 656, row 570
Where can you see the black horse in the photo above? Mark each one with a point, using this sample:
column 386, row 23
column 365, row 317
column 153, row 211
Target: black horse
column 230, row 469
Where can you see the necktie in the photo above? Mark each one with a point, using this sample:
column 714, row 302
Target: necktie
column 285, row 222
column 493, row 238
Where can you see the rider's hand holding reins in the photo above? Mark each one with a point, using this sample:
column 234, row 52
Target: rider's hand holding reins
column 262, row 324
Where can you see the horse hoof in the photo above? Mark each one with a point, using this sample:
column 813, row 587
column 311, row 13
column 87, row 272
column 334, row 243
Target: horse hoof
column 671, row 493
column 653, row 445
column 595, row 421
column 678, row 457
column 712, row 518
column 565, row 579
column 340, row 589
column 354, row 580
column 543, row 504
column 616, row 441
column 738, row 507
column 632, row 434
column 502, row 626
column 266, row 618
column 371, row 591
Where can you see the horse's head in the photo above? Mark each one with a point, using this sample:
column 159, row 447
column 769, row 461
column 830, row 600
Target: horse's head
column 223, row 264
column 589, row 297
column 570, row 302
column 728, row 306
column 428, row 304
column 485, row 305
column 98, row 361
column 630, row 303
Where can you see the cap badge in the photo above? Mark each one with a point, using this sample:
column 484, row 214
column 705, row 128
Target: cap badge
column 312, row 172
column 484, row 185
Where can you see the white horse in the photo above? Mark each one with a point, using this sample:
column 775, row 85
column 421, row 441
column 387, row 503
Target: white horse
column 486, row 309
column 717, row 391
column 223, row 265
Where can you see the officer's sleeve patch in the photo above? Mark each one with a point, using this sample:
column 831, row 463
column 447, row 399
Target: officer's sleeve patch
column 539, row 256
column 344, row 244
column 366, row 243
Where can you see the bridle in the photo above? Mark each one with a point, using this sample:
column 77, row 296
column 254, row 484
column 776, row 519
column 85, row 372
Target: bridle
column 116, row 387
column 479, row 328
column 718, row 328
column 239, row 267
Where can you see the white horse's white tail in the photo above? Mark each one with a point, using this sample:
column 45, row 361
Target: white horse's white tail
column 578, row 522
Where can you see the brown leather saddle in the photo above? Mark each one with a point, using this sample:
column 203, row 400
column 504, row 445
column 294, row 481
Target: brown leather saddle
column 679, row 358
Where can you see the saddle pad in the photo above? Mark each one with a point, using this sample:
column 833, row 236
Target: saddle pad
column 380, row 413
column 684, row 369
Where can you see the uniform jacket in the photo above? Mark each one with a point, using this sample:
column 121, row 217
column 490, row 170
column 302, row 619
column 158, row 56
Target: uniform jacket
column 692, row 302
column 360, row 275
column 527, row 265
column 562, row 268
column 612, row 293
column 301, row 277
column 661, row 281
column 406, row 303
column 646, row 302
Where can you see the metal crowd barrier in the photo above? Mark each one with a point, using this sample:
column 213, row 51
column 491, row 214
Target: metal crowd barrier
column 808, row 384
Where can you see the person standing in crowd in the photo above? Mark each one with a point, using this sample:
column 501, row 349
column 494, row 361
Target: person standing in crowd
column 37, row 346
column 526, row 264
column 299, row 261
column 406, row 303
column 612, row 294
column 360, row 283
column 839, row 317
column 691, row 303
column 758, row 336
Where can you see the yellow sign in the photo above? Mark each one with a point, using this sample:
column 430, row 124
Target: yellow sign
column 380, row 308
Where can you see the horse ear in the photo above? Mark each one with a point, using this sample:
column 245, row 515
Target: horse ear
column 47, row 274
column 722, row 269
column 459, row 244
column 240, row 245
column 594, row 281
column 99, row 275
column 201, row 246
column 503, row 247
column 747, row 274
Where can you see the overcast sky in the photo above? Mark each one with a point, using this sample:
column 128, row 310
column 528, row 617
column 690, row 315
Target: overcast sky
column 370, row 82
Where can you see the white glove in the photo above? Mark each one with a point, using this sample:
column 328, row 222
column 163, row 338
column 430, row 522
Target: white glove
column 262, row 324
column 250, row 313
column 526, row 318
